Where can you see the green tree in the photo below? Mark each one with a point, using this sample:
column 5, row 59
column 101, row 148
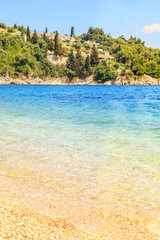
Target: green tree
column 71, row 65
column 46, row 30
column 50, row 45
column 94, row 56
column 22, row 33
column 87, row 46
column 138, row 69
column 46, row 50
column 28, row 34
column 87, row 67
column 78, row 63
column 44, row 37
column 104, row 74
column 123, row 72
column 2, row 25
column 10, row 30
column 57, row 47
column 15, row 25
column 88, row 64
column 72, row 31
column 77, row 46
column 71, row 62
column 34, row 39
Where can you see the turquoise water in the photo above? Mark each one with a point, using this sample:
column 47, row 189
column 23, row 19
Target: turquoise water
column 83, row 152
column 71, row 133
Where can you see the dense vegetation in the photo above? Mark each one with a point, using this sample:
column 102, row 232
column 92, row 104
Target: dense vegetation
column 22, row 58
column 28, row 58
column 132, row 55
column 26, row 55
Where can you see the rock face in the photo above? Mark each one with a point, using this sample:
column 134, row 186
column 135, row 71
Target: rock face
column 145, row 80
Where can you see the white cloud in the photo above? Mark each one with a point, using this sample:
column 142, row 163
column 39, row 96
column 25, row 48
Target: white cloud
column 151, row 28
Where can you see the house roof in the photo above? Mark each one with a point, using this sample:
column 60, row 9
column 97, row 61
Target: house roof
column 105, row 56
column 3, row 30
column 49, row 52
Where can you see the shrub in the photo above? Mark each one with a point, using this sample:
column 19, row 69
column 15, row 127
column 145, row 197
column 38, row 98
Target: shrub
column 130, row 74
column 123, row 72
column 76, row 46
column 116, row 66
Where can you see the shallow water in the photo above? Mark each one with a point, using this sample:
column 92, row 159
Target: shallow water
column 99, row 141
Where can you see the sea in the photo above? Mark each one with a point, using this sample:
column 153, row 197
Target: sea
column 97, row 144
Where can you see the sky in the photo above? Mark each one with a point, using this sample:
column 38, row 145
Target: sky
column 137, row 18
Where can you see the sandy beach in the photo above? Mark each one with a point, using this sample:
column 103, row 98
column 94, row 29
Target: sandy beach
column 28, row 215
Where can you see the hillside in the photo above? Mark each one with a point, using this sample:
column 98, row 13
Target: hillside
column 32, row 55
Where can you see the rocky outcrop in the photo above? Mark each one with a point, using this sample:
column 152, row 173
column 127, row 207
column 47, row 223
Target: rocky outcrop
column 7, row 80
column 145, row 80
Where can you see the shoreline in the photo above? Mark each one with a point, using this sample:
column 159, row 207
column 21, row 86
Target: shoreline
column 144, row 80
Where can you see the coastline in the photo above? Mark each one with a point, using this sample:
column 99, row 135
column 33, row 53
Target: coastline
column 144, row 80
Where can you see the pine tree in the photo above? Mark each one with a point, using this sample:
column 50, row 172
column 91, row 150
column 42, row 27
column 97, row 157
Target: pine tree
column 72, row 31
column 94, row 56
column 34, row 37
column 57, row 47
column 46, row 30
column 28, row 34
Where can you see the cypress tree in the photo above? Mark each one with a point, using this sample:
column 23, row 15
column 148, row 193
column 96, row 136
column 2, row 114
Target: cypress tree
column 72, row 31
column 34, row 37
column 78, row 63
column 22, row 31
column 71, row 65
column 15, row 25
column 46, row 30
column 87, row 65
column 22, row 34
column 44, row 37
column 57, row 48
column 94, row 56
column 50, row 45
column 71, row 62
column 28, row 34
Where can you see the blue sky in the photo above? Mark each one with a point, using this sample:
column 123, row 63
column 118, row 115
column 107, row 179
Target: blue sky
column 117, row 17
